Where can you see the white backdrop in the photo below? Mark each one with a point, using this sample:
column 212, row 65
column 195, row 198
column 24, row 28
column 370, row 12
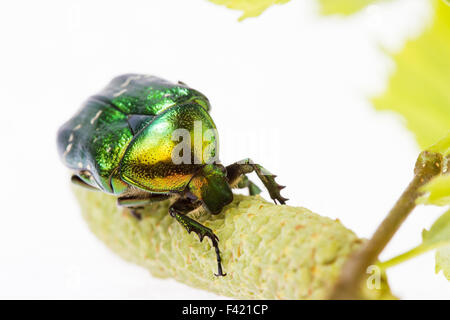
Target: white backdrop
column 289, row 89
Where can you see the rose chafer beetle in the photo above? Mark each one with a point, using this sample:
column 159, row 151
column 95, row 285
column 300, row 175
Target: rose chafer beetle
column 122, row 142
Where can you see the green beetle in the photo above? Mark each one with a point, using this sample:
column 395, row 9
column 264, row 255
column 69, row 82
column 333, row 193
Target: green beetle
column 126, row 141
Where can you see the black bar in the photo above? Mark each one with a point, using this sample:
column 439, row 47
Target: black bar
column 210, row 309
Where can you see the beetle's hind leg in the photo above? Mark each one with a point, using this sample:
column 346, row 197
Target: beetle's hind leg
column 178, row 210
column 236, row 170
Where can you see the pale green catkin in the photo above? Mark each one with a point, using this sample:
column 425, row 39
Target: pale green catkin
column 268, row 251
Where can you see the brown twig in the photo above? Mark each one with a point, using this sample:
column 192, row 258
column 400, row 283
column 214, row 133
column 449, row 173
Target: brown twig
column 348, row 286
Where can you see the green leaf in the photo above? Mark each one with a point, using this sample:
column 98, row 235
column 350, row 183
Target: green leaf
column 439, row 233
column 344, row 7
column 438, row 191
column 443, row 261
column 419, row 89
column 438, row 237
column 253, row 8
column 250, row 8
column 442, row 146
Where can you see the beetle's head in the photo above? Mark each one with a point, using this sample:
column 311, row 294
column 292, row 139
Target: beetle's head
column 210, row 185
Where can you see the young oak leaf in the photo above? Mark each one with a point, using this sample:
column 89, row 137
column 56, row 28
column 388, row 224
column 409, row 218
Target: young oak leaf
column 439, row 233
column 250, row 8
column 418, row 89
column 438, row 191
column 443, row 261
column 438, row 237
column 253, row 8
column 442, row 146
column 344, row 7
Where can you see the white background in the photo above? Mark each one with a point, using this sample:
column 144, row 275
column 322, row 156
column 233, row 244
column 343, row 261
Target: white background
column 289, row 89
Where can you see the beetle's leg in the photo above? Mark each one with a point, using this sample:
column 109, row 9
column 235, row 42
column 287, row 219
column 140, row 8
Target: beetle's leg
column 137, row 201
column 135, row 213
column 77, row 180
column 245, row 182
column 178, row 211
column 236, row 170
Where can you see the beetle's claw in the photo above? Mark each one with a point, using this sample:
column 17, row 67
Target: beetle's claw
column 274, row 189
column 280, row 201
column 191, row 225
column 214, row 239
column 268, row 179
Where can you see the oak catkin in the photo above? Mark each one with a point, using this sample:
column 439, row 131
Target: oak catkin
column 268, row 251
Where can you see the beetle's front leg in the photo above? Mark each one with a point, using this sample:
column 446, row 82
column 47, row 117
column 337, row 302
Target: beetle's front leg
column 178, row 210
column 236, row 170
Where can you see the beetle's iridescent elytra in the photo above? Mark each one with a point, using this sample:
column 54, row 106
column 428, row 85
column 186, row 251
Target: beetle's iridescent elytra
column 121, row 142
